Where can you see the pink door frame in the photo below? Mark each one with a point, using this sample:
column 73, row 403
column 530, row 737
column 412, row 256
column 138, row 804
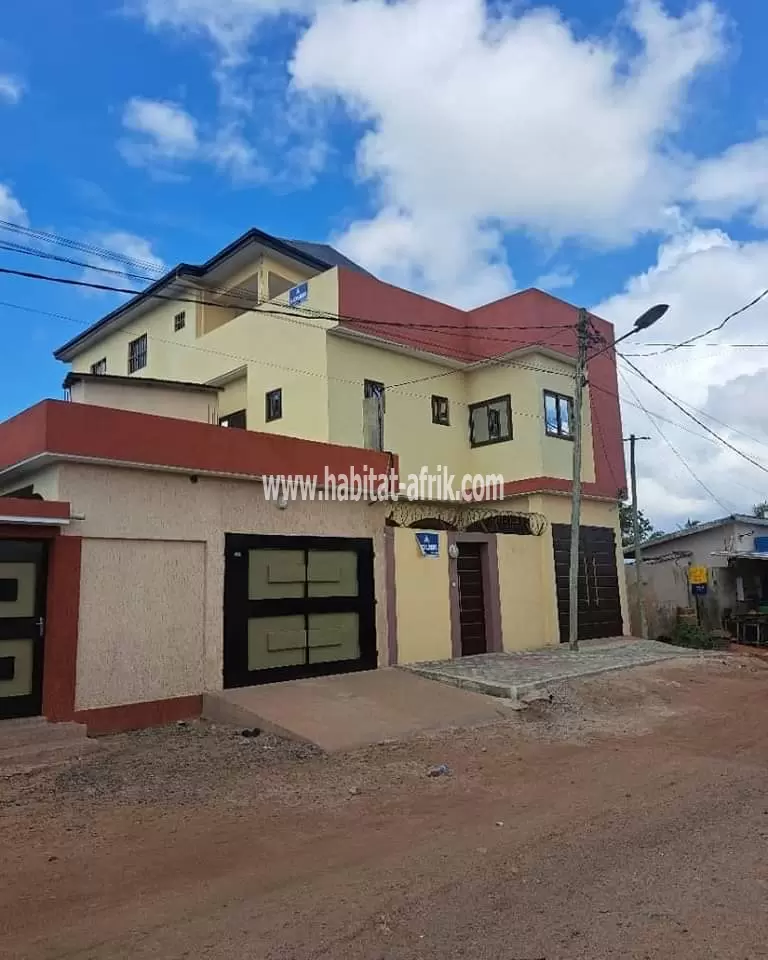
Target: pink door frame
column 491, row 591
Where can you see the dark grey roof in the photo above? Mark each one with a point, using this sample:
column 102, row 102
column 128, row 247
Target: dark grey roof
column 324, row 251
column 317, row 255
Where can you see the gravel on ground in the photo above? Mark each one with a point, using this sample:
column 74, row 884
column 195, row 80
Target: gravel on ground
column 627, row 818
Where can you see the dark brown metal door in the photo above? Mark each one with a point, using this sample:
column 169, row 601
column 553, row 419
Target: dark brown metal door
column 599, row 598
column 22, row 603
column 471, row 599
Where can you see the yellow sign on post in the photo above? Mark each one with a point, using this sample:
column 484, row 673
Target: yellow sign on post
column 697, row 575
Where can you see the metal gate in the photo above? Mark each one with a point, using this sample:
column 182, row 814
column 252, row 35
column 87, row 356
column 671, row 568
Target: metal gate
column 22, row 603
column 599, row 597
column 297, row 607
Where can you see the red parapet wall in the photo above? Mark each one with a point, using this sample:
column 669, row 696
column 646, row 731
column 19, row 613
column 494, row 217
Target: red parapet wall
column 121, row 436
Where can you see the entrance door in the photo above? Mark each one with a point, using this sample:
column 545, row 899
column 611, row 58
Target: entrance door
column 22, row 601
column 599, row 598
column 469, row 567
column 297, row 607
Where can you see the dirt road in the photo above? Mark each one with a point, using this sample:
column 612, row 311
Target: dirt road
column 629, row 820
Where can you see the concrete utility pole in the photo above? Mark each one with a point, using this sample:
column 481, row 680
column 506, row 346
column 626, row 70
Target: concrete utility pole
column 644, row 321
column 582, row 337
column 632, row 440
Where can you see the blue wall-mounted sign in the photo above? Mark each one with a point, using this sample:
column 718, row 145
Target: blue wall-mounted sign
column 429, row 544
column 298, row 294
column 699, row 589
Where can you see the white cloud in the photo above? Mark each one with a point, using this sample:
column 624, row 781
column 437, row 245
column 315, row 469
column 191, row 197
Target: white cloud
column 128, row 254
column 557, row 279
column 11, row 88
column 505, row 122
column 162, row 136
column 10, row 208
column 703, row 275
column 734, row 182
column 160, row 131
column 230, row 24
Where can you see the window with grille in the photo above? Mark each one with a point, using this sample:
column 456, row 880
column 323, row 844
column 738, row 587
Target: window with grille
column 137, row 353
column 180, row 320
column 558, row 415
column 100, row 367
column 274, row 405
column 440, row 411
column 490, row 421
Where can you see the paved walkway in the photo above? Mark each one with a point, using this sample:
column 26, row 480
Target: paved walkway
column 515, row 674
column 351, row 710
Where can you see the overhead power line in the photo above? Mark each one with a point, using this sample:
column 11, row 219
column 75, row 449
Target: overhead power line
column 674, row 449
column 233, row 292
column 681, row 408
column 241, row 358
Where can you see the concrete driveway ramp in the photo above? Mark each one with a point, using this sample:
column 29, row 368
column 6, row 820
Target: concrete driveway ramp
column 353, row 710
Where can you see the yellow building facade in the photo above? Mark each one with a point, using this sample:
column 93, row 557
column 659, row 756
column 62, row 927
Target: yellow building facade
column 298, row 345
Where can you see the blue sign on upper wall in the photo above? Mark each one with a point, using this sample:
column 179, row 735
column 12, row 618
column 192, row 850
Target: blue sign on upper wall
column 298, row 294
column 429, row 544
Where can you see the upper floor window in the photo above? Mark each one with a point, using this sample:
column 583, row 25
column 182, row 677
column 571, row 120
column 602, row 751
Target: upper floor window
column 558, row 415
column 440, row 411
column 235, row 419
column 180, row 320
column 373, row 414
column 137, row 353
column 100, row 367
column 274, row 405
column 490, row 421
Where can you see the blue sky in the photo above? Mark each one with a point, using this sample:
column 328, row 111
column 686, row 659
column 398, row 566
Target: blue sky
column 612, row 152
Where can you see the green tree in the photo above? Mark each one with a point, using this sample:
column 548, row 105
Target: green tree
column 760, row 509
column 627, row 532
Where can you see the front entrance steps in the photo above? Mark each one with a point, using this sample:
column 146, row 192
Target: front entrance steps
column 346, row 711
column 32, row 743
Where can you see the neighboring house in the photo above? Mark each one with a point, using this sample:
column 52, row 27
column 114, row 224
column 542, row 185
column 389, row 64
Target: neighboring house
column 302, row 342
column 734, row 551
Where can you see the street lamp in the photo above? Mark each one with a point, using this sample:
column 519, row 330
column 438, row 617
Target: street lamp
column 644, row 321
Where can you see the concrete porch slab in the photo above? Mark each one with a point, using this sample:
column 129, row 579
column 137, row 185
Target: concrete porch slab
column 352, row 710
column 512, row 675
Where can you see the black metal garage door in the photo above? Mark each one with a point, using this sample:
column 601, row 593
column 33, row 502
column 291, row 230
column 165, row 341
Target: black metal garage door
column 297, row 607
column 599, row 599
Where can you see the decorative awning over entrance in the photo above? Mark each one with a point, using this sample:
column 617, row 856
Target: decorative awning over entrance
column 474, row 518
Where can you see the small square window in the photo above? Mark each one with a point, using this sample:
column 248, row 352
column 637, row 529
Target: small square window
column 180, row 320
column 441, row 411
column 558, row 415
column 137, row 353
column 100, row 367
column 274, row 405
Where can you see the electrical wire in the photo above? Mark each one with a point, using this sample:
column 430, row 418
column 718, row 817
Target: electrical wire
column 674, row 449
column 718, row 326
column 260, row 362
column 681, row 408
column 233, row 292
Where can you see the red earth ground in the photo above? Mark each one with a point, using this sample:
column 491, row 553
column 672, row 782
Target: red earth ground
column 627, row 820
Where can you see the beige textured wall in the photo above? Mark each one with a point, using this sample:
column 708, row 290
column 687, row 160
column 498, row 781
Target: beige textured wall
column 141, row 621
column 423, row 600
column 164, row 402
column 123, row 504
column 527, row 585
